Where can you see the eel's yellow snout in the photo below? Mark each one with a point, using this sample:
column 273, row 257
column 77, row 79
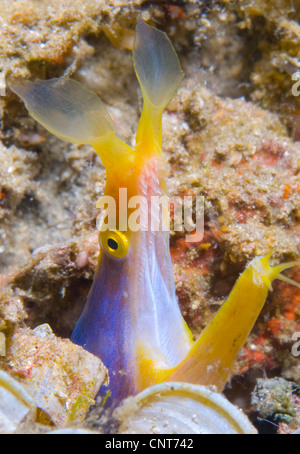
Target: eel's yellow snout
column 212, row 356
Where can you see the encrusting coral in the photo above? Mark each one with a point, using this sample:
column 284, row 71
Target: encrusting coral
column 241, row 157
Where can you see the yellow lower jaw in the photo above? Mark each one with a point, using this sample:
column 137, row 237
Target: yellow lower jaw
column 211, row 358
column 152, row 368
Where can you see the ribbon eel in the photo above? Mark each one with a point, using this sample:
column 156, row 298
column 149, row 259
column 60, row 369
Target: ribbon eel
column 132, row 320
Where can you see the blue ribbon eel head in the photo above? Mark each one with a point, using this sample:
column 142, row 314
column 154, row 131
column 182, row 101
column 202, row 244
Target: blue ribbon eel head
column 132, row 320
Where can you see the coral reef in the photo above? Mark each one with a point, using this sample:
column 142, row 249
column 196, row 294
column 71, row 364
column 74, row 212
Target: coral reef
column 278, row 399
column 62, row 378
column 230, row 135
column 278, row 55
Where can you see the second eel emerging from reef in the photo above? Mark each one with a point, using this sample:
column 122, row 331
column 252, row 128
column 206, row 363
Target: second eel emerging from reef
column 132, row 320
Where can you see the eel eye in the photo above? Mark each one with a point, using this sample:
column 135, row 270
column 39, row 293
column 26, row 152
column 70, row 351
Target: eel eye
column 114, row 243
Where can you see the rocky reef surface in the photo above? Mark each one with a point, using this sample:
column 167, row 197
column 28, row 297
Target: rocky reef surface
column 231, row 135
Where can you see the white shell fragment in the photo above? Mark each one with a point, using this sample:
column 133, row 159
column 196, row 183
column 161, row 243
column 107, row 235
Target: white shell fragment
column 181, row 408
column 15, row 404
column 72, row 431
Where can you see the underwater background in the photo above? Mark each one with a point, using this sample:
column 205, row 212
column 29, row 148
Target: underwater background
column 231, row 135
